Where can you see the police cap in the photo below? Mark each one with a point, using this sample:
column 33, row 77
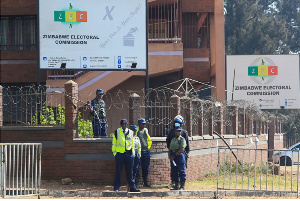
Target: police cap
column 123, row 121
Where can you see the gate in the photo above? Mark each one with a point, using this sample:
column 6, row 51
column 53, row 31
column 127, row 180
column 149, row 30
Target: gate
column 20, row 169
column 258, row 170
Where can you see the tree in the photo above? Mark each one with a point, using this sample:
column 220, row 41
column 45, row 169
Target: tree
column 254, row 28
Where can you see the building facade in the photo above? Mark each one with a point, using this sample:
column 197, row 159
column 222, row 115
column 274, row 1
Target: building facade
column 186, row 40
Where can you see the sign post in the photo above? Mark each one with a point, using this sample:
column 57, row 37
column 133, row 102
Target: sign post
column 269, row 81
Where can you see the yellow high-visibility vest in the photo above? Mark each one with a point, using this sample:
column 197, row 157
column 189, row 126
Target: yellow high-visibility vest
column 120, row 143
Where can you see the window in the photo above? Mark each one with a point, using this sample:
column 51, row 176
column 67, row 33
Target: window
column 18, row 32
column 195, row 30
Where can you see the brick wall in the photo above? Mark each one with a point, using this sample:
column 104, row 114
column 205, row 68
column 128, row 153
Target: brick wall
column 56, row 165
column 91, row 160
column 19, row 7
column 197, row 71
column 198, row 6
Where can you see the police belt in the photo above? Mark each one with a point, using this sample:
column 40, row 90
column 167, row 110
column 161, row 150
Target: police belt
column 127, row 151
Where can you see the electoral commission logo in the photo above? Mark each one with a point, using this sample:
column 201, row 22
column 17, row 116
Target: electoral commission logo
column 262, row 70
column 70, row 16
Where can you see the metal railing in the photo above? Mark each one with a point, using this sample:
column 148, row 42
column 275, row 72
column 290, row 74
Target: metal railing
column 20, row 169
column 258, row 170
column 30, row 105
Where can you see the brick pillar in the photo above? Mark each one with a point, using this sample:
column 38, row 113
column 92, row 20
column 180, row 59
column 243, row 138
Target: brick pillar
column 1, row 107
column 271, row 134
column 199, row 116
column 211, row 121
column 260, row 127
column 71, row 99
column 134, row 108
column 220, row 122
column 243, row 120
column 175, row 104
column 250, row 125
column 280, row 127
column 186, row 103
column 233, row 111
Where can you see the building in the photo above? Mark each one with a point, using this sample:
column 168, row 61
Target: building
column 186, row 40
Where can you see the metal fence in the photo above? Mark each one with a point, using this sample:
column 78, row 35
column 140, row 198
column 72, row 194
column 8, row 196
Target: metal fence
column 258, row 169
column 20, row 169
column 37, row 106
column 31, row 105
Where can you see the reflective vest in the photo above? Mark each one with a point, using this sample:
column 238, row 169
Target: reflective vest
column 137, row 144
column 120, row 144
column 149, row 141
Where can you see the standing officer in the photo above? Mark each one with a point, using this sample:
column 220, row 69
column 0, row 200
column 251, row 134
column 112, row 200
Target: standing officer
column 178, row 122
column 137, row 158
column 177, row 159
column 123, row 150
column 98, row 114
column 146, row 143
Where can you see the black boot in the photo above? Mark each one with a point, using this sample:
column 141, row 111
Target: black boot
column 146, row 182
column 134, row 190
column 176, row 187
column 182, row 184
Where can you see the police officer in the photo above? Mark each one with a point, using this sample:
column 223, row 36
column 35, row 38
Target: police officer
column 178, row 122
column 124, row 152
column 177, row 159
column 98, row 114
column 137, row 158
column 146, row 143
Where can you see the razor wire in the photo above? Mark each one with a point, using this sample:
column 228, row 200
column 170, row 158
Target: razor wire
column 22, row 105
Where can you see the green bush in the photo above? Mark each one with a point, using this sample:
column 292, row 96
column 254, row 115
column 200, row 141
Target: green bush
column 47, row 117
column 226, row 168
column 85, row 128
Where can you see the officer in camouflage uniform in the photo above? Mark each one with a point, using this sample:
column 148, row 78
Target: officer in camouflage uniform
column 98, row 114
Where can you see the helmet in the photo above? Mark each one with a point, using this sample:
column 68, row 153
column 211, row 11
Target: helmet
column 179, row 117
column 141, row 121
column 133, row 127
column 178, row 120
column 99, row 91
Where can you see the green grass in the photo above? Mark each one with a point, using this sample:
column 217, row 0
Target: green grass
column 237, row 178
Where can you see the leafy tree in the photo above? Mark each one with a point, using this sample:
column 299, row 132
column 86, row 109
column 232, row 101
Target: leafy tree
column 265, row 27
column 254, row 28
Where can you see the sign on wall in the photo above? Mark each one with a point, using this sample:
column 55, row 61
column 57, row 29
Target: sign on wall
column 270, row 81
column 92, row 34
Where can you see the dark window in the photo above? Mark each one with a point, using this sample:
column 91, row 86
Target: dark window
column 18, row 33
column 195, row 30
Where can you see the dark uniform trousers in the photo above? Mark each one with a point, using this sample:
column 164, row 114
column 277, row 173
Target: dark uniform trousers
column 99, row 128
column 178, row 172
column 128, row 159
column 145, row 163
column 136, row 165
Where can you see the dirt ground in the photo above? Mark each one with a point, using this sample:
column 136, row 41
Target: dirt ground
column 54, row 185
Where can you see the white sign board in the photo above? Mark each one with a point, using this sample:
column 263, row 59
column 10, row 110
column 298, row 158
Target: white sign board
column 270, row 81
column 92, row 34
